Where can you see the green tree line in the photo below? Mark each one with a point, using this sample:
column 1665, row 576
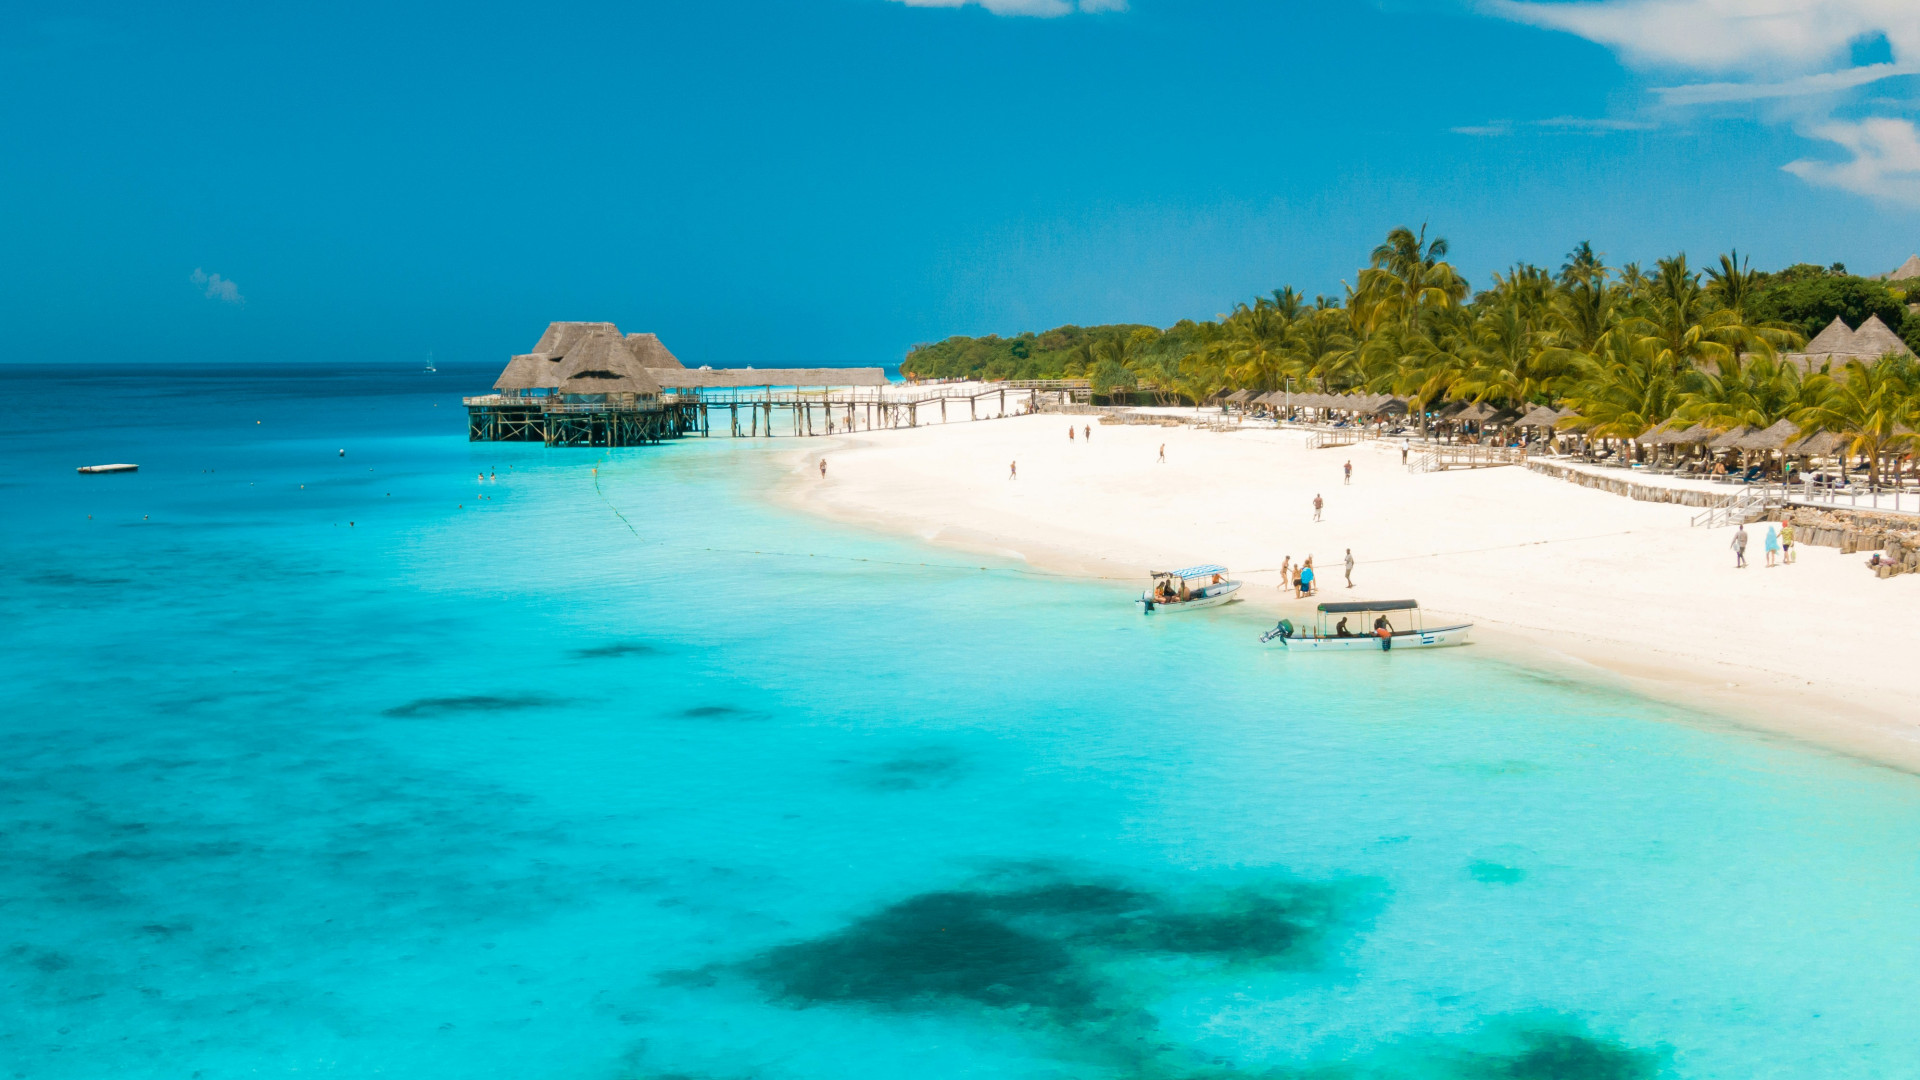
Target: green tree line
column 1626, row 347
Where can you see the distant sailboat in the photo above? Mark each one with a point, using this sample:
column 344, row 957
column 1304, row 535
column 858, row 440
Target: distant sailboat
column 429, row 369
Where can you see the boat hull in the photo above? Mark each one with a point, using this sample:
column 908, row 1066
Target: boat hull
column 1437, row 638
column 1217, row 595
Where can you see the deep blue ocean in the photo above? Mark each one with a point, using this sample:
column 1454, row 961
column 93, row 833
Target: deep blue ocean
column 360, row 765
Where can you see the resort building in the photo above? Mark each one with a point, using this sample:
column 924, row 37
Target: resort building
column 586, row 384
column 1838, row 344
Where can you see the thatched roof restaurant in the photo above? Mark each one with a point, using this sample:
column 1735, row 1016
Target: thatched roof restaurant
column 594, row 358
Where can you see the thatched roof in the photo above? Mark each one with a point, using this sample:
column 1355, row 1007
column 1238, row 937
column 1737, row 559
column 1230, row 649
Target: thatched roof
column 1837, row 344
column 1908, row 270
column 530, row 371
column 561, row 336
column 598, row 362
column 1819, row 444
column 711, row 378
column 1661, row 434
column 1775, row 437
column 1730, row 440
column 1837, row 338
column 1875, row 340
column 647, row 349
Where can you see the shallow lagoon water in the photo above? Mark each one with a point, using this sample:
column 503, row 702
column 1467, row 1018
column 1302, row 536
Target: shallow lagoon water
column 632, row 774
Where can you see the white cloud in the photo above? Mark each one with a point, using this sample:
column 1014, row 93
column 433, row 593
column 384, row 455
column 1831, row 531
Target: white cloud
column 1829, row 82
column 1729, row 35
column 1046, row 9
column 218, row 288
column 1886, row 159
column 1793, row 53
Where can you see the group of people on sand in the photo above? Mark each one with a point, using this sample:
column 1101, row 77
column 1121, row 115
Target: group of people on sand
column 1300, row 578
column 1779, row 545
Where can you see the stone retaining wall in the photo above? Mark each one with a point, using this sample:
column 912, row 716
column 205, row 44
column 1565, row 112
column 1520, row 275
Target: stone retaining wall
column 1655, row 493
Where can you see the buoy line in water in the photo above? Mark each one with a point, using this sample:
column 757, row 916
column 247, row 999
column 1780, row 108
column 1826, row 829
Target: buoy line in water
column 609, row 502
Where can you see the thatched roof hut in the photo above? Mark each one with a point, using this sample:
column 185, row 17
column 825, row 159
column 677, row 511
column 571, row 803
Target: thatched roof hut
column 1836, row 344
column 1730, row 440
column 1820, row 444
column 1774, row 437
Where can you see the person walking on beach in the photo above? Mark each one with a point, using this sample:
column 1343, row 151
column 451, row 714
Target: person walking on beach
column 1349, row 468
column 1163, row 453
column 1773, row 544
column 1318, row 504
column 1349, row 568
column 1786, row 542
column 1739, row 546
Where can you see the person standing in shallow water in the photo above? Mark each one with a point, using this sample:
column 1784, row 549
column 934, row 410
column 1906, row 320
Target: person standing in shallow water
column 1739, row 546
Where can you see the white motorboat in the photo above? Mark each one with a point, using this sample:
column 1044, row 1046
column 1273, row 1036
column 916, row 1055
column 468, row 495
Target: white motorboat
column 1184, row 590
column 1368, row 625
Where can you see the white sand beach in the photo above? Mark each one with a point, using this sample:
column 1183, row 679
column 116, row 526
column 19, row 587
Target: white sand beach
column 1551, row 573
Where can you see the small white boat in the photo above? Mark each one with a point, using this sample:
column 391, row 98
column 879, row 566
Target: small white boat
column 123, row 467
column 1175, row 590
column 1378, row 633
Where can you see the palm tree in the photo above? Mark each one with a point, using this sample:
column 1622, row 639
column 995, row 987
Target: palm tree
column 1876, row 405
column 1626, row 386
column 1733, row 284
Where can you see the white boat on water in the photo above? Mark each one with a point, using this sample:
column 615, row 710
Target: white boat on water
column 1184, row 590
column 1368, row 625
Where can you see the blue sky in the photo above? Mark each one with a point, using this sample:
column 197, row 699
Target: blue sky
column 830, row 181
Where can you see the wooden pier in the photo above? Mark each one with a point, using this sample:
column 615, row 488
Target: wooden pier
column 736, row 412
column 507, row 418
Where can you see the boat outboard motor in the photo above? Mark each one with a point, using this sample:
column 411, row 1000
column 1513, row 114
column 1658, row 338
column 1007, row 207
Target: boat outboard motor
column 1283, row 630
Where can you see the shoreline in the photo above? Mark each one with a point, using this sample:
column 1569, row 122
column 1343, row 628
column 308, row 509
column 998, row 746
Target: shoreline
column 946, row 486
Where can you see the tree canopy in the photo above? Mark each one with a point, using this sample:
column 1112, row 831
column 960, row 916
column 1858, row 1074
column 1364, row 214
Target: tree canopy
column 1626, row 347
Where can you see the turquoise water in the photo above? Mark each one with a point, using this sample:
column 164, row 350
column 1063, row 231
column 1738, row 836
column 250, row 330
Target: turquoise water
column 553, row 776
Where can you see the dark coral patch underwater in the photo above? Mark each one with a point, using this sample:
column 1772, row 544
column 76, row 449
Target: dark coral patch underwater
column 439, row 706
column 1046, row 949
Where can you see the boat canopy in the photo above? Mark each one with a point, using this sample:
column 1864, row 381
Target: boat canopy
column 1371, row 605
column 1192, row 571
